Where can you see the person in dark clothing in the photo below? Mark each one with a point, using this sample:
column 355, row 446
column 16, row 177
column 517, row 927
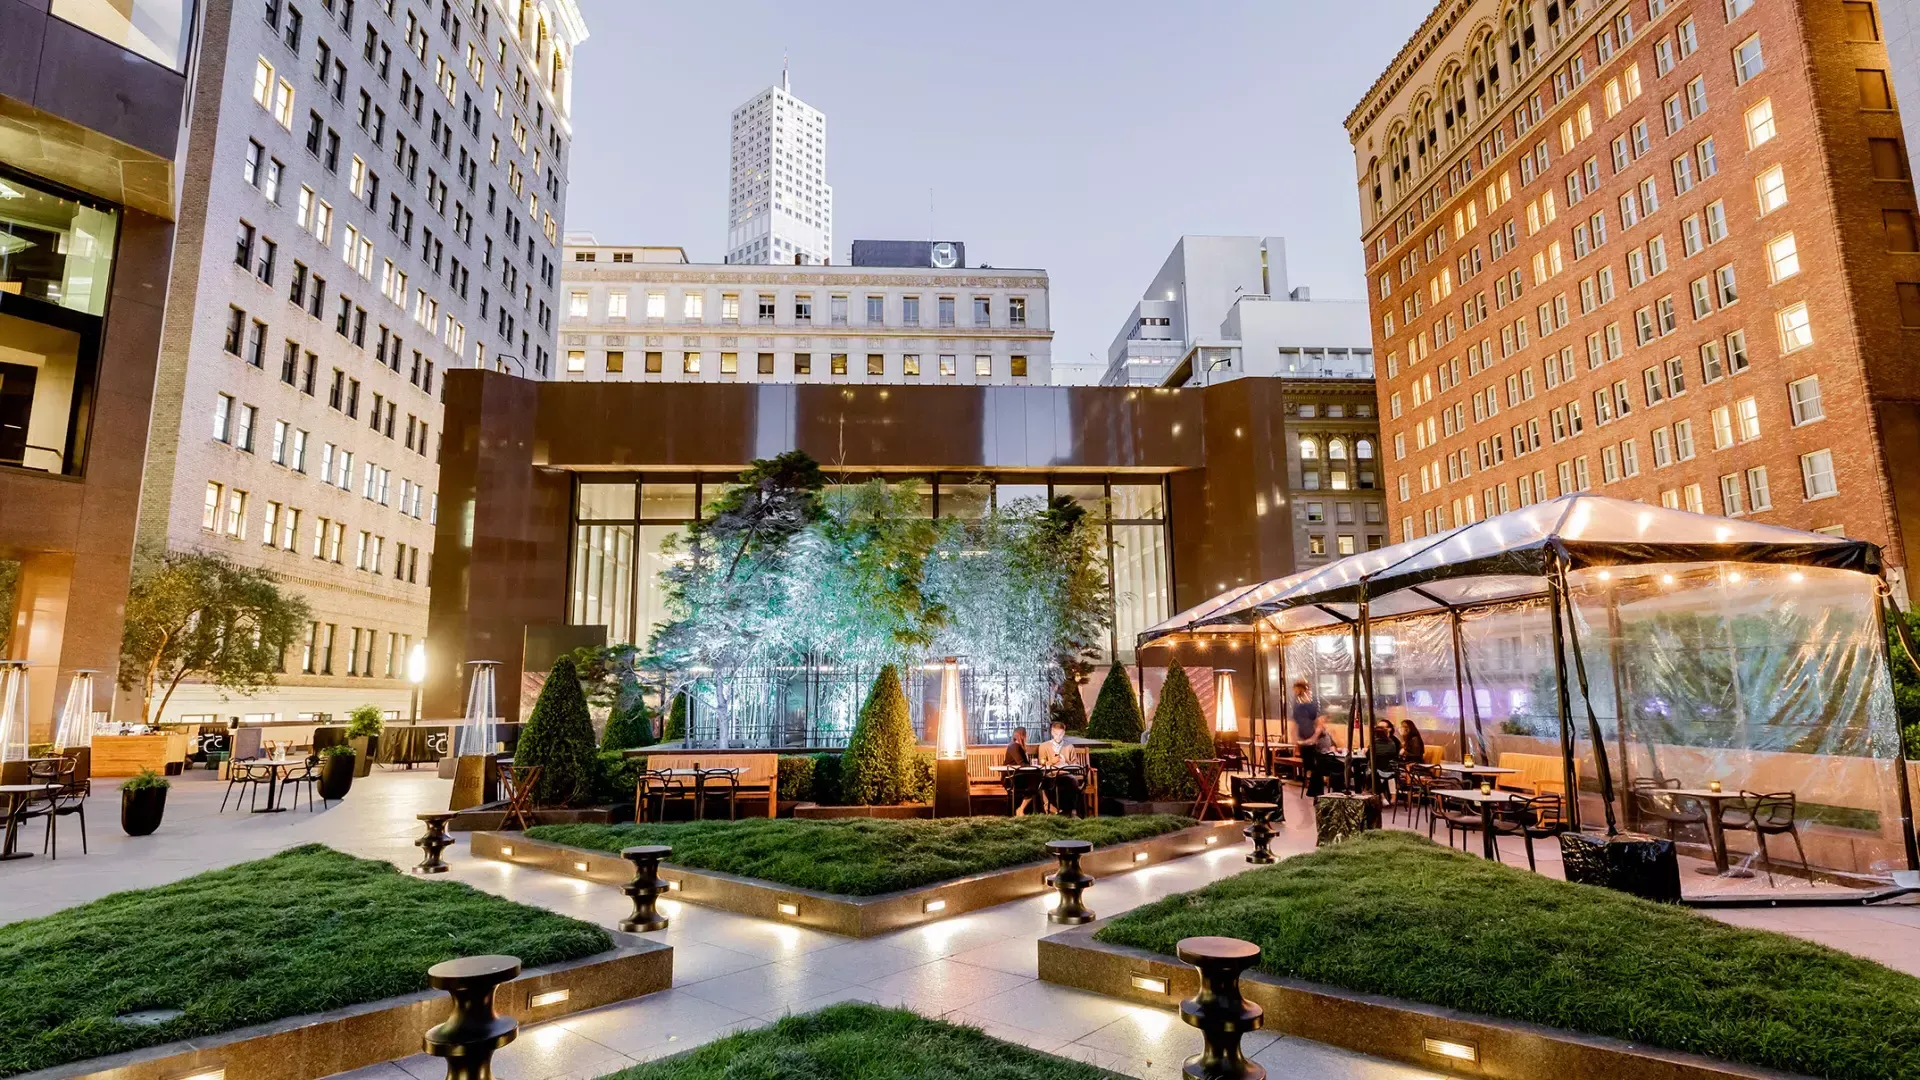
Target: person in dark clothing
column 1311, row 738
column 1413, row 748
column 1023, row 790
column 1017, row 748
column 1383, row 754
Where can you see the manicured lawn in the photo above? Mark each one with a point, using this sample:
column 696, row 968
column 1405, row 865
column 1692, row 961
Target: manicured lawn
column 1391, row 913
column 307, row 930
column 861, row 856
column 861, row 1042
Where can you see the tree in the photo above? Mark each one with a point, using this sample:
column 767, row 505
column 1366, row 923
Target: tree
column 1068, row 707
column 365, row 721
column 202, row 616
column 1179, row 735
column 1116, row 712
column 558, row 738
column 879, row 762
column 628, row 726
column 676, row 727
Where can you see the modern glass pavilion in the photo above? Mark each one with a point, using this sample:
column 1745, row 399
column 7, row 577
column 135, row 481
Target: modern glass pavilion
column 1635, row 646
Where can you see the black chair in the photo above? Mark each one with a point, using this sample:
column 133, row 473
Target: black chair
column 656, row 788
column 306, row 775
column 247, row 778
column 1067, row 790
column 1412, row 790
column 44, row 804
column 1537, row 818
column 1461, row 821
column 717, row 784
column 1257, row 789
column 1764, row 816
column 1652, row 800
column 1026, row 787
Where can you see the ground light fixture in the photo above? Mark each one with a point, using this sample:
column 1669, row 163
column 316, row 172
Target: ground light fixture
column 1446, row 1048
column 550, row 997
column 507, row 850
column 1150, row 983
column 933, row 906
column 790, row 910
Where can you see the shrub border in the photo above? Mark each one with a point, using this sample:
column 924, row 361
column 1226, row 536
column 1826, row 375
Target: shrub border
column 852, row 916
column 1382, row 1026
column 341, row 1040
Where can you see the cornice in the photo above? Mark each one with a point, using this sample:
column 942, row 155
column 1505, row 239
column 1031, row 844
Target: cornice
column 1411, row 58
column 1024, row 279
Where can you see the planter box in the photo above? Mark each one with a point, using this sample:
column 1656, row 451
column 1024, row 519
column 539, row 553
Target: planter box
column 1382, row 1026
column 322, row 1044
column 814, row 811
column 853, row 916
column 1176, row 807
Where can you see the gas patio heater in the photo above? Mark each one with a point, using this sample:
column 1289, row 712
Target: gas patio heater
column 475, row 774
column 950, row 789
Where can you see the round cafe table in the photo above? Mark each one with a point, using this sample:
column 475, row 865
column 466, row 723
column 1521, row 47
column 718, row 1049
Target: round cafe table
column 1486, row 801
column 277, row 769
column 15, row 794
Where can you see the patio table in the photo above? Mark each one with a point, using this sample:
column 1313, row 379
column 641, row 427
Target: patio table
column 15, row 794
column 1715, row 802
column 1474, row 773
column 1486, row 801
column 277, row 769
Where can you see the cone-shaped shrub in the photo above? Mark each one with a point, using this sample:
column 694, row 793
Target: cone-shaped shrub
column 878, row 766
column 1179, row 735
column 1068, row 707
column 676, row 719
column 559, row 738
column 628, row 726
column 1116, row 712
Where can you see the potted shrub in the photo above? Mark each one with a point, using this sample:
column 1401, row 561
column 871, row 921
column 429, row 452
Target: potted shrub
column 143, row 800
column 336, row 772
column 363, row 732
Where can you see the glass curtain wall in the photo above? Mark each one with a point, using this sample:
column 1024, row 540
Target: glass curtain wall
column 621, row 524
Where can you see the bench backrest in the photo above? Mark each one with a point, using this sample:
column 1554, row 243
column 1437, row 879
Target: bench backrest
column 754, row 768
column 1539, row 773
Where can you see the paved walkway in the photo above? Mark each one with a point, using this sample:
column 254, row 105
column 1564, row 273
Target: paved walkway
column 733, row 972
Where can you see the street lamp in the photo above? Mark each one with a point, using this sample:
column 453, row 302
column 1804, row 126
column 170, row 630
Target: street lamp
column 417, row 673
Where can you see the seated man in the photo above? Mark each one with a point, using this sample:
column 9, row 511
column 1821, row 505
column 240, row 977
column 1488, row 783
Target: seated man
column 1057, row 750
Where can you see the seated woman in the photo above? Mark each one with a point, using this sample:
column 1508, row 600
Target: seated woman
column 1413, row 748
column 1383, row 754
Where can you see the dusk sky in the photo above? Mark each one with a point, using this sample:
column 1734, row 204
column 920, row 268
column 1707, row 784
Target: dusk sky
column 1080, row 138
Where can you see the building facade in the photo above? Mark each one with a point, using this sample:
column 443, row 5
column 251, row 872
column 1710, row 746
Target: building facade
column 94, row 105
column 646, row 314
column 559, row 494
column 779, row 204
column 1661, row 249
column 1220, row 308
column 1899, row 22
column 375, row 192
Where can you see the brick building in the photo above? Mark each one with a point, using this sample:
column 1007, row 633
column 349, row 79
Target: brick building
column 1660, row 249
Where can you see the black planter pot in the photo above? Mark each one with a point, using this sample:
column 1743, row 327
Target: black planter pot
column 336, row 775
column 140, row 811
column 365, row 748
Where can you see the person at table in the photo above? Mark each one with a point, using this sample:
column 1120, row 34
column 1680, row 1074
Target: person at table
column 1383, row 753
column 1413, row 748
column 1017, row 750
column 1057, row 750
column 1311, row 738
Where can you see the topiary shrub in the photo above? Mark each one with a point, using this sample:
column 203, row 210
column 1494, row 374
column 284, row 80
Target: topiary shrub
column 1122, row 772
column 615, row 776
column 877, row 768
column 558, row 737
column 1179, row 735
column 795, row 778
column 676, row 720
column 1116, row 712
column 628, row 727
column 1068, row 708
column 826, row 780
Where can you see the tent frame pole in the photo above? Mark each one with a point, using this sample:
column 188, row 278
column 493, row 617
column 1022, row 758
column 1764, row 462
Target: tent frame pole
column 1459, row 668
column 1570, row 774
column 1602, row 769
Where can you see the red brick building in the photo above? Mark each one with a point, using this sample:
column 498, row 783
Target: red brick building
column 1660, row 249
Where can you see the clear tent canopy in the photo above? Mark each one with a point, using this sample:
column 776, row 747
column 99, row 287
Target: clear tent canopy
column 1614, row 648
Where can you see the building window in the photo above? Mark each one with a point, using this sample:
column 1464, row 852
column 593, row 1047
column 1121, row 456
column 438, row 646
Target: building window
column 576, row 360
column 729, row 363
column 1018, row 366
column 1901, row 235
column 1760, row 127
column 950, row 364
column 1732, row 500
column 837, row 364
column 946, row 311
column 690, row 363
column 765, row 363
column 1016, row 311
column 653, row 363
column 1796, row 331
column 983, row 365
column 876, row 365
column 1803, row 398
column 1783, row 258
column 910, row 311
column 1816, row 473
column 1747, row 60
column 876, row 310
column 803, row 363
column 1758, row 497
column 1771, row 188
column 616, row 361
column 1875, row 94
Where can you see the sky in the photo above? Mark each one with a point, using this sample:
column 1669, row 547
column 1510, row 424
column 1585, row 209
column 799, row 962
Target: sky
column 1076, row 137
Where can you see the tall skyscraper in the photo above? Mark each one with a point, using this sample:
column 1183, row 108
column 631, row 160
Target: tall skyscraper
column 779, row 206
column 1664, row 250
column 374, row 196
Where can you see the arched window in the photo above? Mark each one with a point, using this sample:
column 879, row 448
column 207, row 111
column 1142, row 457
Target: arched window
column 1363, row 449
column 1309, row 449
column 1337, row 449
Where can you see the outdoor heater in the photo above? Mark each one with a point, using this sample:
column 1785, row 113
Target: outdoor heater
column 13, row 710
column 474, row 741
column 76, row 717
column 950, row 796
column 1225, row 720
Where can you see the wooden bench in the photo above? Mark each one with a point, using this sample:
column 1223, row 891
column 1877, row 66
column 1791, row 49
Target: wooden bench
column 1538, row 774
column 759, row 773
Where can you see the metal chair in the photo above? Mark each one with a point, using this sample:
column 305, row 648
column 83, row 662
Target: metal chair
column 244, row 776
column 1414, row 790
column 1025, row 788
column 1258, row 789
column 1763, row 816
column 1651, row 801
column 657, row 786
column 1537, row 818
column 306, row 776
column 1458, row 820
column 714, row 784
column 1067, row 790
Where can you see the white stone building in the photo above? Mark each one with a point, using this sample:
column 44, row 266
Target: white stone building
column 639, row 313
column 1220, row 308
column 373, row 195
column 779, row 206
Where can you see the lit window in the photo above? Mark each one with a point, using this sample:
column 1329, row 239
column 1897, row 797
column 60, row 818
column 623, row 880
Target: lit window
column 1747, row 413
column 1783, row 258
column 1760, row 127
column 1816, row 472
column 577, row 305
column 1771, row 186
column 576, row 360
column 1803, row 397
column 1796, row 331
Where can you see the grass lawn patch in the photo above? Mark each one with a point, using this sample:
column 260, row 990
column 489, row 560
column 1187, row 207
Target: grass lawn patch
column 861, row 856
column 307, row 930
column 861, row 1042
column 1392, row 913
